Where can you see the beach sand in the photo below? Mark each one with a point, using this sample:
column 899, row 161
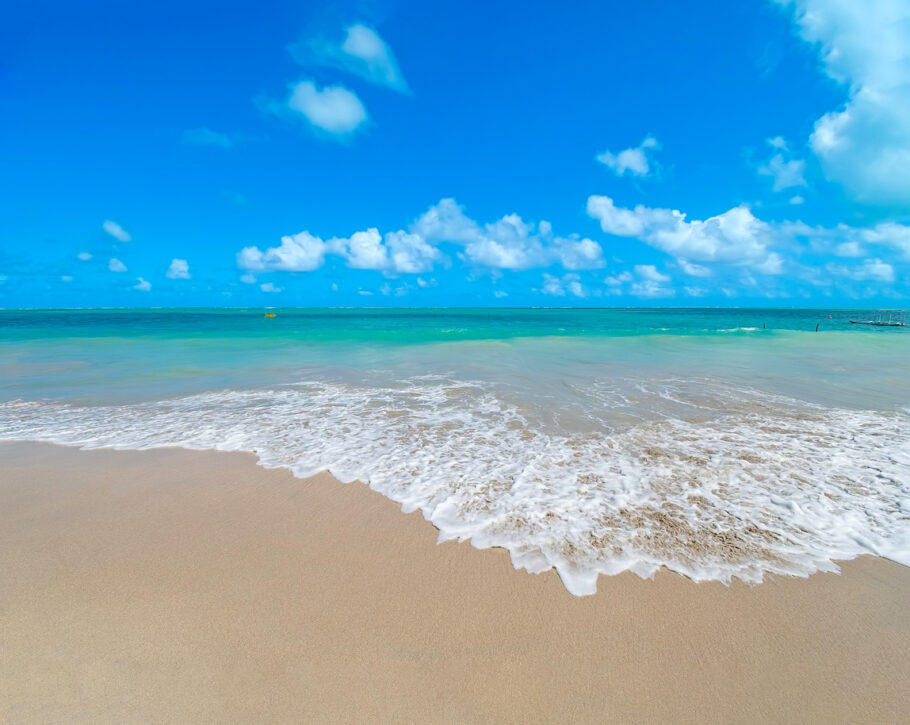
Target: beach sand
column 177, row 586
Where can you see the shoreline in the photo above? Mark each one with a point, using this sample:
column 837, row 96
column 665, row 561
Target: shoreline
column 175, row 585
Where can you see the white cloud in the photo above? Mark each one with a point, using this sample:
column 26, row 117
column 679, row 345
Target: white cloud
column 446, row 222
column 647, row 281
column 297, row 253
column 649, row 288
column 66, row 278
column 849, row 249
column 579, row 253
column 363, row 250
column 204, row 136
column 785, row 172
column 634, row 161
column 248, row 278
column 178, row 269
column 693, row 270
column 365, row 292
column 734, row 237
column 509, row 243
column 362, row 52
column 115, row 265
column 847, row 241
column 864, row 145
column 499, row 294
column 269, row 287
column 84, row 256
column 398, row 253
column 560, row 286
column 410, row 253
column 796, row 200
column 116, row 231
column 649, row 272
column 695, row 291
column 333, row 109
column 871, row 270
column 334, row 286
column 614, row 280
column 889, row 234
column 142, row 285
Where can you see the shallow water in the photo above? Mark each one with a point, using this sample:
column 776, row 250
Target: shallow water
column 718, row 443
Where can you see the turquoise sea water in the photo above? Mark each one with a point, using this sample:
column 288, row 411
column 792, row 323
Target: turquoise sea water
column 719, row 443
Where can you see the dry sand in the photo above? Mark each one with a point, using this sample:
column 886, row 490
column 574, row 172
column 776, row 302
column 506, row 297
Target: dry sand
column 176, row 586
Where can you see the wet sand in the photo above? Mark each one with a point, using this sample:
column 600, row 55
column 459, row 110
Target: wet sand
column 178, row 586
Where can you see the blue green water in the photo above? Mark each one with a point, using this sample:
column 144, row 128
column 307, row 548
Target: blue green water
column 719, row 443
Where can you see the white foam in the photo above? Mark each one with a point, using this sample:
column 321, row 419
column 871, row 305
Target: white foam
column 770, row 485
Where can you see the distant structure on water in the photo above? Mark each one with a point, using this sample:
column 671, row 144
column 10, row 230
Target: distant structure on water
column 884, row 318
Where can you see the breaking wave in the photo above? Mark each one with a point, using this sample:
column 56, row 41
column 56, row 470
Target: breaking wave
column 725, row 487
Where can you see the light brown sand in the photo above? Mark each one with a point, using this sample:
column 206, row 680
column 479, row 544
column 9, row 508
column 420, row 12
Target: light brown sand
column 175, row 586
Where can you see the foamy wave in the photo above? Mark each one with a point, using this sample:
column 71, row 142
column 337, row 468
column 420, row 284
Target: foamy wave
column 777, row 486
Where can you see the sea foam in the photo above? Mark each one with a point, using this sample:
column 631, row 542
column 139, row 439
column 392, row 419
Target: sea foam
column 714, row 490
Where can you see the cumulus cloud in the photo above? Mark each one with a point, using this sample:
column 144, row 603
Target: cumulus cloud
column 115, row 265
column 646, row 281
column 508, row 243
column 693, row 270
column 864, row 145
column 142, row 285
column 560, row 286
column 848, row 241
column 889, row 234
column 204, row 136
column 116, row 231
column 614, row 280
column 178, row 269
column 362, row 52
column 871, row 270
column 84, row 256
column 334, row 110
column 734, row 237
column 649, row 273
column 634, row 161
column 269, row 287
column 397, row 253
column 849, row 249
column 785, row 172
column 297, row 253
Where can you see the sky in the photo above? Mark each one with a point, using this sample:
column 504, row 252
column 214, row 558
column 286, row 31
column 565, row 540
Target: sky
column 200, row 153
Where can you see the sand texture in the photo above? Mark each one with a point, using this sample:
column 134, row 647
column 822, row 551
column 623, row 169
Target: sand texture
column 192, row 587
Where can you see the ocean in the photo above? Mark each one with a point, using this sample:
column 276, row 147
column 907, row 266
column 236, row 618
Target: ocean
column 719, row 443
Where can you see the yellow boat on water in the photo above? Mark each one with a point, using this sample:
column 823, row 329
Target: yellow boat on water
column 270, row 314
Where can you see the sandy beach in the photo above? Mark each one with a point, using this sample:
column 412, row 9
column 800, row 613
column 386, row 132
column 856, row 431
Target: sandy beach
column 178, row 586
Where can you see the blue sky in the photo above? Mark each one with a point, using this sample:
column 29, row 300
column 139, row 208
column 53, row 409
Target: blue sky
column 413, row 153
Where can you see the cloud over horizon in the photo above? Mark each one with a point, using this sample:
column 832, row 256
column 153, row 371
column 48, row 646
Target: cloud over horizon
column 865, row 144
